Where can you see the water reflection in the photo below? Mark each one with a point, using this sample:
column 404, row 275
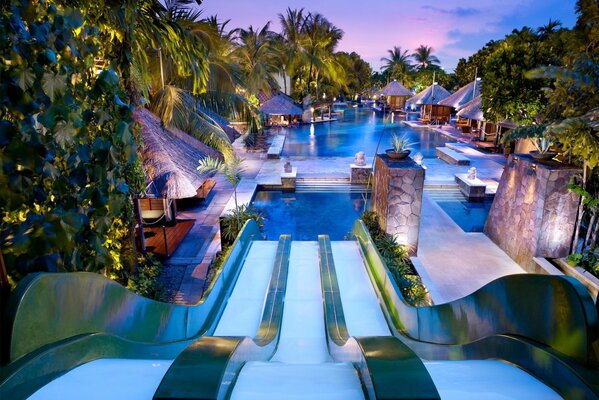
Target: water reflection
column 355, row 131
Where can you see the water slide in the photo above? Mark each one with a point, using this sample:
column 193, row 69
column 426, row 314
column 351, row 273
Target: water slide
column 470, row 379
column 300, row 320
column 138, row 379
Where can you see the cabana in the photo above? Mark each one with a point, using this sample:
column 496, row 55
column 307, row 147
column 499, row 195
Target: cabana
column 428, row 100
column 281, row 106
column 170, row 159
column 487, row 132
column 396, row 95
column 463, row 95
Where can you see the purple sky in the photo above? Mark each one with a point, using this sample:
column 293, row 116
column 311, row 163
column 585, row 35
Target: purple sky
column 453, row 28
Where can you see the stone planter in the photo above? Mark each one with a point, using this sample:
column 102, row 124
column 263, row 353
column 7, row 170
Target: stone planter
column 543, row 156
column 392, row 154
column 533, row 212
column 397, row 198
column 585, row 277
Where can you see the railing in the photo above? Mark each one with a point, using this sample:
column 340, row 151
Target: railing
column 208, row 368
column 74, row 318
column 547, row 325
column 388, row 369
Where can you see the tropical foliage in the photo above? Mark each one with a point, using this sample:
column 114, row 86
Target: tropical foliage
column 67, row 147
column 424, row 57
column 397, row 260
column 416, row 71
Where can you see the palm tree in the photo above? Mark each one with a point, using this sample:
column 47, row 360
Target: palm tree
column 232, row 170
column 132, row 27
column 290, row 50
column 398, row 62
column 424, row 57
column 255, row 53
column 549, row 28
column 319, row 40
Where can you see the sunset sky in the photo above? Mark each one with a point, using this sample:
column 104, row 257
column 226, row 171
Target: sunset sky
column 453, row 28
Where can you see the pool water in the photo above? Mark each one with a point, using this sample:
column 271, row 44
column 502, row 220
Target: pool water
column 305, row 215
column 470, row 216
column 357, row 130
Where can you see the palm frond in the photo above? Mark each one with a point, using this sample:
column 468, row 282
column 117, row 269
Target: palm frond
column 178, row 108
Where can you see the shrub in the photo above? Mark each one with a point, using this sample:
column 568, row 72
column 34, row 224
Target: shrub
column 145, row 280
column 587, row 260
column 397, row 260
column 232, row 223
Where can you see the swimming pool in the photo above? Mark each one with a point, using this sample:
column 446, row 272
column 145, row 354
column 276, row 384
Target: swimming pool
column 305, row 215
column 470, row 216
column 356, row 130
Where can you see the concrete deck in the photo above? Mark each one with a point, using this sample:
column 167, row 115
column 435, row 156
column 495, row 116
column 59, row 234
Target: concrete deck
column 453, row 263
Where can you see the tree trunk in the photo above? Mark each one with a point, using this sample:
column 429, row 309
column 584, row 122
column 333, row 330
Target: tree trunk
column 580, row 212
column 4, row 284
column 317, row 91
column 4, row 294
column 594, row 237
column 589, row 230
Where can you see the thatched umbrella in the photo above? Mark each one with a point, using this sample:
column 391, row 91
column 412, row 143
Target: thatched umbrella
column 170, row 157
column 281, row 105
column 462, row 96
column 394, row 88
column 429, row 96
column 473, row 109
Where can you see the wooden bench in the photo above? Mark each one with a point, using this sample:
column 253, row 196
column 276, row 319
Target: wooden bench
column 490, row 146
column 204, row 191
column 451, row 156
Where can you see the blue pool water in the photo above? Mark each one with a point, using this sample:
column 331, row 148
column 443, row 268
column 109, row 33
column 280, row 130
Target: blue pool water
column 305, row 215
column 357, row 130
column 470, row 216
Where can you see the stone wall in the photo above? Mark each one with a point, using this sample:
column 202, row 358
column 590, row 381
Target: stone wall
column 360, row 174
column 397, row 198
column 534, row 213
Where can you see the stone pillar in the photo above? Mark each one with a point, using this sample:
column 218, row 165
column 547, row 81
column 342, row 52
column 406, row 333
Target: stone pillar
column 360, row 173
column 288, row 180
column 397, row 198
column 534, row 213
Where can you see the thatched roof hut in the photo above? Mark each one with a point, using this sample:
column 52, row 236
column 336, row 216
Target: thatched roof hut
column 223, row 123
column 462, row 96
column 170, row 157
column 431, row 96
column 281, row 105
column 473, row 109
column 394, row 88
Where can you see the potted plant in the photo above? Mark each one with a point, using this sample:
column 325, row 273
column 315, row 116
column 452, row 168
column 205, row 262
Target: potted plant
column 543, row 149
column 401, row 147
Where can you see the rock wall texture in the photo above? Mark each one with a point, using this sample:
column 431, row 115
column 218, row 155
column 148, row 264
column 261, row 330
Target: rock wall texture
column 534, row 213
column 360, row 174
column 397, row 198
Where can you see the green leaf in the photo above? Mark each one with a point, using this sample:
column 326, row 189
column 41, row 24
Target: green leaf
column 64, row 134
column 26, row 79
column 53, row 85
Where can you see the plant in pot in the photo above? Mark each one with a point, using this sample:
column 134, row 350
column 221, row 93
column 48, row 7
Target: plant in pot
column 401, row 147
column 543, row 148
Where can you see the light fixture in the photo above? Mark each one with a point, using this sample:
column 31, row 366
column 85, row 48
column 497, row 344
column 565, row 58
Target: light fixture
column 532, row 170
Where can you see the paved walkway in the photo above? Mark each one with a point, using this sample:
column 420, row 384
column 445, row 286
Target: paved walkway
column 189, row 264
column 453, row 263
